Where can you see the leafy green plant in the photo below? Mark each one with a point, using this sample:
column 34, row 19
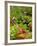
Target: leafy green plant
column 20, row 21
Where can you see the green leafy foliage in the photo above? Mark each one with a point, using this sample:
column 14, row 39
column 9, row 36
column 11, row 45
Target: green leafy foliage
column 20, row 18
column 13, row 31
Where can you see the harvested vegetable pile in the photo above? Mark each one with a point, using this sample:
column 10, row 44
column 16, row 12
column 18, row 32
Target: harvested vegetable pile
column 20, row 22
